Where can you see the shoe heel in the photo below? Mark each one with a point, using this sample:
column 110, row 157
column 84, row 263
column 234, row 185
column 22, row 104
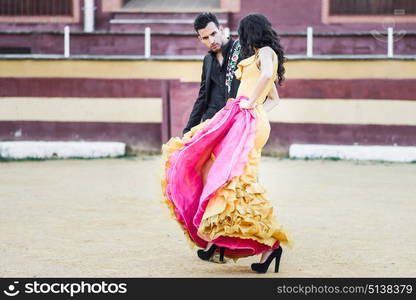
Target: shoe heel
column 277, row 262
column 206, row 255
column 222, row 249
column 276, row 266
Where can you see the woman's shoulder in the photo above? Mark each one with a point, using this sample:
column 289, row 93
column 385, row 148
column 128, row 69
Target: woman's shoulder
column 267, row 50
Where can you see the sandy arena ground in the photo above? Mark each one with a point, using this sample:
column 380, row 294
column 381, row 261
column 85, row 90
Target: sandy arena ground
column 103, row 218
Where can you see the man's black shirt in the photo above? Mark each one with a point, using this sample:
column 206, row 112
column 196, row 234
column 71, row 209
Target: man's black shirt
column 213, row 92
column 217, row 95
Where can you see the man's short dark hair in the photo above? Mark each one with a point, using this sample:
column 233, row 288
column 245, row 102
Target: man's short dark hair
column 203, row 19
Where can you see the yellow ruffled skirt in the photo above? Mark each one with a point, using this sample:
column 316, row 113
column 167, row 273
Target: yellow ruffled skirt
column 240, row 209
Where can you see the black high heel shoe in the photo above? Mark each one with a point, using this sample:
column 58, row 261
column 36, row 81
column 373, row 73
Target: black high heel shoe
column 263, row 267
column 206, row 255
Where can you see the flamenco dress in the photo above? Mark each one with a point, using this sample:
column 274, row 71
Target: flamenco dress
column 209, row 176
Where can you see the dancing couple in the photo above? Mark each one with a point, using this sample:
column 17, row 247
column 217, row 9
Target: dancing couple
column 210, row 175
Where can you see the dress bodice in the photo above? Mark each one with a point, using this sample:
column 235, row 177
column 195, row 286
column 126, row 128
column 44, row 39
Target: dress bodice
column 248, row 73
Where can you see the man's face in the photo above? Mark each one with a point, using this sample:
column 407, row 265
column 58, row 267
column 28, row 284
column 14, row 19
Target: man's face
column 212, row 36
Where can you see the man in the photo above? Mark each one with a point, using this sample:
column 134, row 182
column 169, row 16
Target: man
column 218, row 82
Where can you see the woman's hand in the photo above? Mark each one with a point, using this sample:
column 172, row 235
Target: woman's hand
column 246, row 103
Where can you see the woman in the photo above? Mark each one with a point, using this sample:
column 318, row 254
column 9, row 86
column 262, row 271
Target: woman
column 210, row 175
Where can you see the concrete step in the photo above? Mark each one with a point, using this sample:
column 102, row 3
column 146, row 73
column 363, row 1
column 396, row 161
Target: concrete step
column 60, row 149
column 207, row 5
column 160, row 15
column 354, row 152
column 131, row 21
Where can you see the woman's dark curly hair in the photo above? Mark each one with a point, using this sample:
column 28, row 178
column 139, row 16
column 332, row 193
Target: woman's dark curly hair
column 256, row 31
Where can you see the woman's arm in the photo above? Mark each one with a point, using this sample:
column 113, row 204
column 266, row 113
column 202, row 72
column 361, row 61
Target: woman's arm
column 266, row 69
column 272, row 99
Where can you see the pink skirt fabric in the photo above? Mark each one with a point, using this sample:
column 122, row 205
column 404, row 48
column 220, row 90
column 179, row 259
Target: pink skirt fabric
column 230, row 136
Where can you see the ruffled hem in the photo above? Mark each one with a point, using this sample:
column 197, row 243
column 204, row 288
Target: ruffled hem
column 168, row 149
column 237, row 216
column 247, row 213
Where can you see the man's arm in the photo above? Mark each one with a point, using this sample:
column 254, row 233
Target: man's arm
column 198, row 108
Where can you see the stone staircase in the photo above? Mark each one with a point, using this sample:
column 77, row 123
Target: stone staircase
column 158, row 21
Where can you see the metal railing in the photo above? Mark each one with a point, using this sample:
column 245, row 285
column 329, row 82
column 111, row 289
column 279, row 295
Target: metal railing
column 309, row 41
